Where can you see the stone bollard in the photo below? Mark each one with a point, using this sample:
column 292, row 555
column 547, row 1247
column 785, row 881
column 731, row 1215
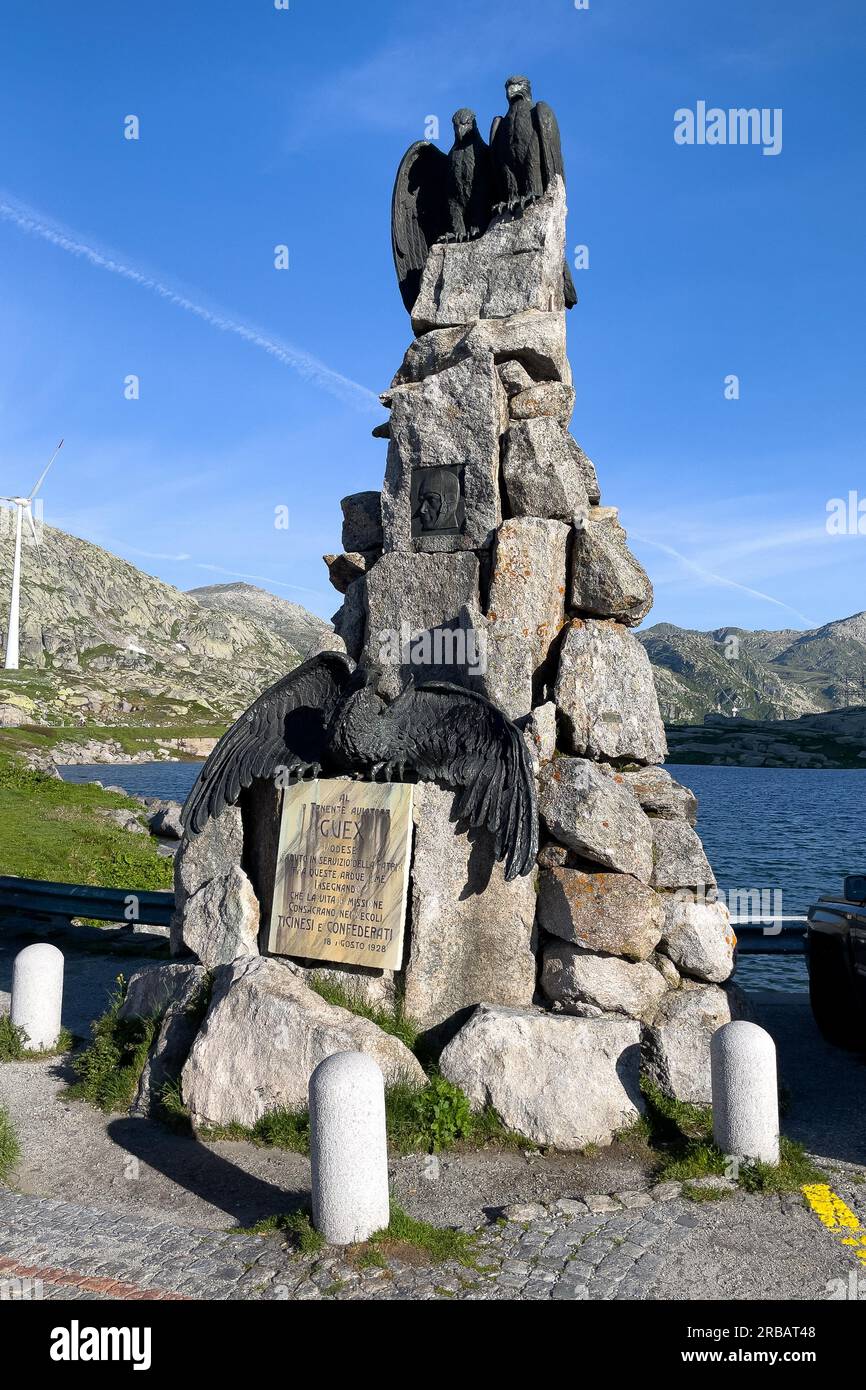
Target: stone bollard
column 745, row 1093
column 37, row 995
column 348, row 1148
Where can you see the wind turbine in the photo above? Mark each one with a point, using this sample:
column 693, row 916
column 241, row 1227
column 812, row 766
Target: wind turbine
column 23, row 507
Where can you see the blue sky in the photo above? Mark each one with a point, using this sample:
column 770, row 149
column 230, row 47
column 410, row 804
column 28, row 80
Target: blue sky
column 261, row 127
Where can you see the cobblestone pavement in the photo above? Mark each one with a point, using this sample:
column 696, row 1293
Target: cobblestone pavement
column 638, row 1248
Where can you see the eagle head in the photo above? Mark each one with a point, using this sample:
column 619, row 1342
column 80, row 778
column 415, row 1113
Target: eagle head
column 464, row 123
column 517, row 87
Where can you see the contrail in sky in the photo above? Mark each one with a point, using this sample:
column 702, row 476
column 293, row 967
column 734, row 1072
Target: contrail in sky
column 307, row 366
column 712, row 578
column 213, row 569
column 260, row 578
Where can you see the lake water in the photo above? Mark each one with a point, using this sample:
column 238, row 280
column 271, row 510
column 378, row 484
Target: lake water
column 791, row 832
column 170, row 781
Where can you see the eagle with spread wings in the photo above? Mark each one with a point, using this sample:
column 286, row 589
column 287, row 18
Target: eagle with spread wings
column 326, row 717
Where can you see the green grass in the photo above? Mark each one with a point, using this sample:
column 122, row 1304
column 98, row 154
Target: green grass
column 13, row 1044
column 439, row 1116
column 369, row 1257
column 682, row 1136
column 281, row 1129
column 285, row 1129
column 391, row 1021
column 428, row 1120
column 143, row 738
column 296, row 1225
column 172, row 1110
column 109, row 1070
column 438, row 1244
column 10, row 1151
column 795, row 1170
column 402, row 1235
column 50, row 830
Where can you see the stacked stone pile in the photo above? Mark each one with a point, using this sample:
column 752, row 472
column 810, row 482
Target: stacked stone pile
column 547, row 993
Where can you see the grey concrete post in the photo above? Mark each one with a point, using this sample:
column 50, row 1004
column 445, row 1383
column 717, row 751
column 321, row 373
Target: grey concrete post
column 348, row 1148
column 745, row 1092
column 37, row 994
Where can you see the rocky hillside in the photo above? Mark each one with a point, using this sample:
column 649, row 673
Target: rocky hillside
column 288, row 620
column 836, row 739
column 102, row 642
column 757, row 675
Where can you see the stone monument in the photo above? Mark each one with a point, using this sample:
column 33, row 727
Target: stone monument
column 543, row 993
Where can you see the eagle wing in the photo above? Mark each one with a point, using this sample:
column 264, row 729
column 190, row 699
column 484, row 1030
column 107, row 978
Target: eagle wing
column 459, row 737
column 419, row 213
column 552, row 165
column 284, row 727
column 547, row 127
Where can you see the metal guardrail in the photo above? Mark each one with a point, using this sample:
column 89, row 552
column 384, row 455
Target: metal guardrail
column 37, row 901
column 770, row 936
column 34, row 900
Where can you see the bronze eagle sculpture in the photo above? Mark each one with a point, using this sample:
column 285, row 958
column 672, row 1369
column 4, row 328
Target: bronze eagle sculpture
column 527, row 151
column 454, row 197
column 527, row 157
column 327, row 717
column 439, row 197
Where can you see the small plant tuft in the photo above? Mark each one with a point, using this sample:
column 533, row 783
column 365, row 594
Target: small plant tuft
column 281, row 1129
column 795, row 1170
column 439, row 1116
column 392, row 1021
column 436, row 1242
column 13, row 1043
column 109, row 1070
column 705, row 1194
column 297, row 1225
column 285, row 1129
column 10, row 1150
column 12, row 1040
column 430, row 1119
column 682, row 1134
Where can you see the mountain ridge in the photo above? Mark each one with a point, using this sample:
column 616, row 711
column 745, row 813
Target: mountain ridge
column 289, row 620
column 106, row 643
column 763, row 674
column 103, row 642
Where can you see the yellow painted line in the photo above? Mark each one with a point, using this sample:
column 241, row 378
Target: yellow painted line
column 837, row 1217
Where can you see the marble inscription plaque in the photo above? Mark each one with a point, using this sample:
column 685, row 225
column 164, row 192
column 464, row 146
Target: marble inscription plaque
column 343, row 872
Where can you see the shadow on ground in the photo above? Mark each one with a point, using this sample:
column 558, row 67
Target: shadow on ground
column 200, row 1170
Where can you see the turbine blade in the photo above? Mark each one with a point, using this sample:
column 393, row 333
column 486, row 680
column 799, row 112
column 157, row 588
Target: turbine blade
column 44, row 472
column 33, row 532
